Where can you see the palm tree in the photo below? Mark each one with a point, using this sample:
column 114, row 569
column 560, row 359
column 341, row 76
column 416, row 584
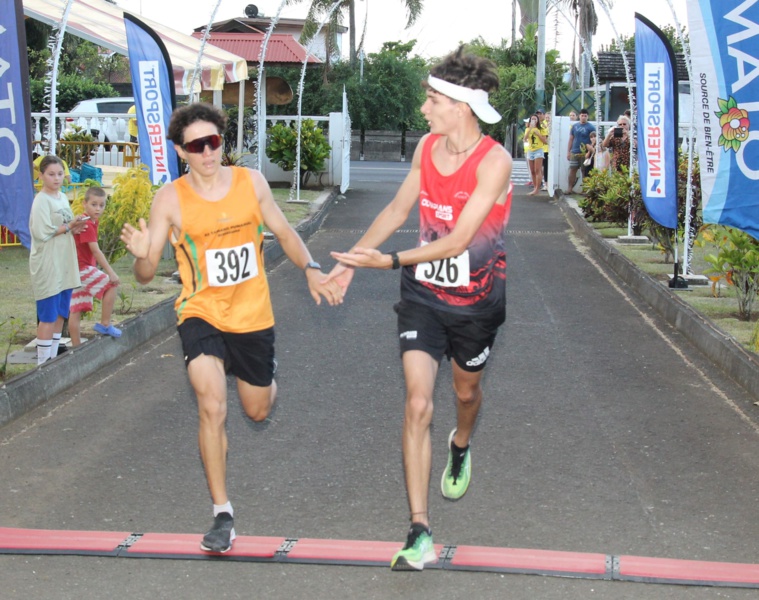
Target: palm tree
column 321, row 7
column 585, row 17
column 586, row 23
column 528, row 9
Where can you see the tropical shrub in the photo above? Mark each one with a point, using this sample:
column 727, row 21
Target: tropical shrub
column 610, row 196
column 737, row 260
column 72, row 88
column 283, row 146
column 76, row 153
column 249, row 142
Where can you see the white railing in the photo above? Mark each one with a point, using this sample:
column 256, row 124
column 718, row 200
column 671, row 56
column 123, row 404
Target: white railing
column 110, row 129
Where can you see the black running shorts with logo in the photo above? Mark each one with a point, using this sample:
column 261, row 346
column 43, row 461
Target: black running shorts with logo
column 468, row 339
column 247, row 356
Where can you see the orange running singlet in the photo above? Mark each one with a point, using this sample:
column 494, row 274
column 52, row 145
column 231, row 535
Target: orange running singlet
column 220, row 257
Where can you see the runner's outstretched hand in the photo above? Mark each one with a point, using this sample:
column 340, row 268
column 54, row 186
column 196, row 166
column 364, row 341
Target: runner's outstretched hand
column 364, row 257
column 342, row 275
column 319, row 285
column 137, row 241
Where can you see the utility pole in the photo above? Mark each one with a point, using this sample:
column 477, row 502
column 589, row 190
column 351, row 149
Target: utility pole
column 540, row 73
column 513, row 22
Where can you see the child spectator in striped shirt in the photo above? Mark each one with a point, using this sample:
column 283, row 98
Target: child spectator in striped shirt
column 95, row 283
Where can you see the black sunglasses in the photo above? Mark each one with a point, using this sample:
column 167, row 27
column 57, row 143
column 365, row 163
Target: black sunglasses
column 199, row 145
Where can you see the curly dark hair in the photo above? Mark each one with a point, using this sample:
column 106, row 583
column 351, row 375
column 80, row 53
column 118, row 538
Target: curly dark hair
column 467, row 70
column 183, row 117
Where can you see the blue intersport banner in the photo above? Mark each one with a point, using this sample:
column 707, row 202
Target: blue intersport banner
column 656, row 92
column 154, row 99
column 16, row 188
column 724, row 40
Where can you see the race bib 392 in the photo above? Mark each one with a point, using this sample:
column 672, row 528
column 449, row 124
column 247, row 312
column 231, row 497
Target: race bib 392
column 230, row 266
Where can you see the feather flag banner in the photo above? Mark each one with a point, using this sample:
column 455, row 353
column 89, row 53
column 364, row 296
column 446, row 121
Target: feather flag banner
column 657, row 122
column 154, row 99
column 16, row 189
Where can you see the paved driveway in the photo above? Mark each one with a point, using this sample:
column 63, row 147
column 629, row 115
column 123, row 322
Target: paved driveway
column 602, row 431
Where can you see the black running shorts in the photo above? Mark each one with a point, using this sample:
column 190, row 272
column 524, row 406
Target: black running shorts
column 468, row 339
column 247, row 356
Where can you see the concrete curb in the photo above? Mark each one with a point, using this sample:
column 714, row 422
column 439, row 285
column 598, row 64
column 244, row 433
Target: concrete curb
column 29, row 390
column 722, row 349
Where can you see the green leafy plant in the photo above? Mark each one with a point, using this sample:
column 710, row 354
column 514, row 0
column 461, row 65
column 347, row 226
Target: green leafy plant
column 283, row 146
column 737, row 260
column 76, row 153
column 230, row 158
column 610, row 196
column 248, row 127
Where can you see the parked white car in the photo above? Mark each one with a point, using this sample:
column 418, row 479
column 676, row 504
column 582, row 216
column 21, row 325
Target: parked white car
column 90, row 115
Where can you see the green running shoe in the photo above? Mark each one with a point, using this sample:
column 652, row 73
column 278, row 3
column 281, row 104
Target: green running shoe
column 418, row 551
column 457, row 472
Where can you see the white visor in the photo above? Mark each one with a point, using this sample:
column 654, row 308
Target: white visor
column 476, row 99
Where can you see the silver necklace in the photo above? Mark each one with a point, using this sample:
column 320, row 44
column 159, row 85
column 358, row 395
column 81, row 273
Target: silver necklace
column 467, row 149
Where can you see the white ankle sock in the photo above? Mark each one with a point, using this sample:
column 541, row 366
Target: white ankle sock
column 220, row 508
column 55, row 344
column 43, row 351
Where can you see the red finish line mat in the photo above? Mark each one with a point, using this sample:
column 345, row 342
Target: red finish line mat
column 378, row 554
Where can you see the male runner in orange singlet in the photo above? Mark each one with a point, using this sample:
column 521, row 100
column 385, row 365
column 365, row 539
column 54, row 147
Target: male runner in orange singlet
column 215, row 218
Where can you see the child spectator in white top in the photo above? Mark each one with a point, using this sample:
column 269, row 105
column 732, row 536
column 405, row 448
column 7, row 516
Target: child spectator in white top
column 95, row 283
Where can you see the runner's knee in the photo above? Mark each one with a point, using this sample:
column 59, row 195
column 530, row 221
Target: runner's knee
column 212, row 409
column 419, row 408
column 467, row 394
column 257, row 411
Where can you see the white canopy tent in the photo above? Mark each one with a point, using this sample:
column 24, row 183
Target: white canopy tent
column 102, row 23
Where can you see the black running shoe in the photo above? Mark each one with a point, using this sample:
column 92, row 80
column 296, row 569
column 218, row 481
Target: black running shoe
column 220, row 537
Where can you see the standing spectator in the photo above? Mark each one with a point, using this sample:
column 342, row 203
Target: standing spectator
column 52, row 259
column 546, row 128
column 533, row 136
column 526, row 148
column 618, row 140
column 579, row 134
column 572, row 116
column 95, row 283
column 590, row 156
column 132, row 125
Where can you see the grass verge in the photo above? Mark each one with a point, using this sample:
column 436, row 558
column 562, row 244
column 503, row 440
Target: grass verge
column 716, row 302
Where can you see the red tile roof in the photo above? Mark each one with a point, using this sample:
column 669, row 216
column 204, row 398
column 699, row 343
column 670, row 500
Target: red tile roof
column 282, row 48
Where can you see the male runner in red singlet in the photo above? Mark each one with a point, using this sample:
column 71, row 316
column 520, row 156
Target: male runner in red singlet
column 215, row 218
column 453, row 284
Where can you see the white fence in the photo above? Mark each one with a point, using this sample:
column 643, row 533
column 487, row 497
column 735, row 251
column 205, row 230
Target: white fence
column 109, row 129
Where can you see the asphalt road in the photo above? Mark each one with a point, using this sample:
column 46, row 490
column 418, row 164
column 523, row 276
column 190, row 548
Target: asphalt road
column 602, row 431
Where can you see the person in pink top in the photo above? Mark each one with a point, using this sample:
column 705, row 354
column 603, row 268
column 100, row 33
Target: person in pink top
column 453, row 283
column 95, row 283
